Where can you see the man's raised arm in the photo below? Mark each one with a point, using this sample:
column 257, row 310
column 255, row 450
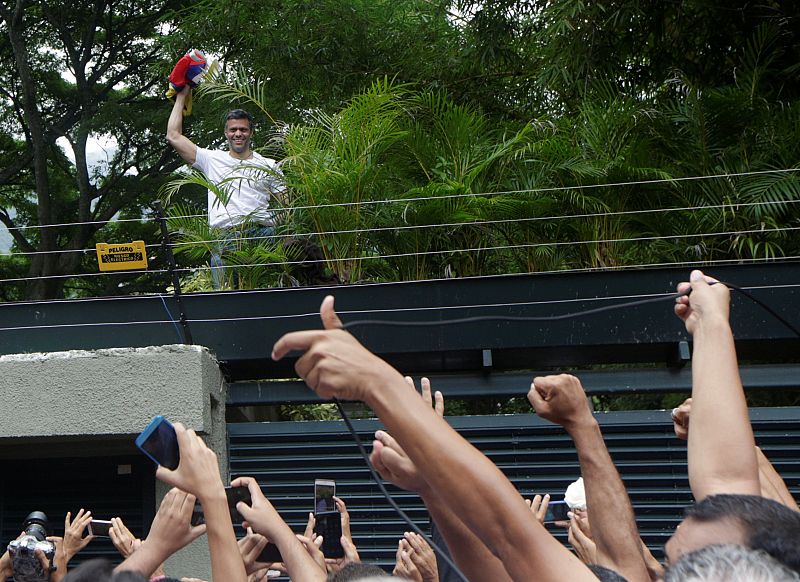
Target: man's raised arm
column 336, row 365
column 561, row 399
column 182, row 144
column 721, row 429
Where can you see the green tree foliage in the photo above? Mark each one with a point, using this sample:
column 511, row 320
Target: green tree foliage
column 76, row 73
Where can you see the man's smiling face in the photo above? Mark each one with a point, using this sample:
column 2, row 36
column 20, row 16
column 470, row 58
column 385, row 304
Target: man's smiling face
column 238, row 133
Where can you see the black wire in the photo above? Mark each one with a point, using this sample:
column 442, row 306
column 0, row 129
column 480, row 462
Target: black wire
column 432, row 322
column 765, row 307
column 563, row 316
column 375, row 477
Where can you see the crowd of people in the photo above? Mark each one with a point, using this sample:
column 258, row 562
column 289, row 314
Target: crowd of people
column 744, row 525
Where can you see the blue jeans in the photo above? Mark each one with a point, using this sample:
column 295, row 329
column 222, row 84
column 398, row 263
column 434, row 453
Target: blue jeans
column 228, row 242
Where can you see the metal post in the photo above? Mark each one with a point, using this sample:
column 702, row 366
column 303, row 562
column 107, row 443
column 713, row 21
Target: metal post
column 176, row 283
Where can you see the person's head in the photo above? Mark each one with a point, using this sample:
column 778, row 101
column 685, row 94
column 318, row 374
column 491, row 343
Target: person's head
column 101, row 570
column 731, row 563
column 605, row 574
column 358, row 571
column 238, row 130
column 747, row 520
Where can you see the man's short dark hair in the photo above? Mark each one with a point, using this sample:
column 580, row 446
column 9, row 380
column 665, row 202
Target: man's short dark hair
column 767, row 525
column 239, row 114
column 605, row 574
column 356, row 571
column 101, row 570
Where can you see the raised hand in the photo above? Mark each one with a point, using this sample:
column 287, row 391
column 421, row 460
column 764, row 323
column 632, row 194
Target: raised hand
column 172, row 527
column 74, row 540
column 121, row 537
column 198, row 471
column 404, row 566
column 393, row 464
column 538, row 506
column 680, row 419
column 422, row 557
column 560, row 399
column 335, row 364
column 580, row 538
column 709, row 301
column 251, row 546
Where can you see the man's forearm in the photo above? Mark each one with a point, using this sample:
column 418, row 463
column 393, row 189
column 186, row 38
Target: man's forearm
column 145, row 560
column 773, row 483
column 175, row 122
column 610, row 511
column 475, row 488
column 720, row 429
column 469, row 553
column 300, row 566
column 226, row 561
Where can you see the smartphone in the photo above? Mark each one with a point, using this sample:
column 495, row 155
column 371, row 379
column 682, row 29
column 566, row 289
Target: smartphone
column 270, row 554
column 99, row 528
column 324, row 491
column 234, row 495
column 159, row 442
column 328, row 524
column 556, row 511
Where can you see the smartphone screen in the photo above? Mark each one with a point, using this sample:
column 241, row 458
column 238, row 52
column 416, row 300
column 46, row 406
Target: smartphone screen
column 99, row 528
column 557, row 511
column 234, row 495
column 324, row 491
column 159, row 442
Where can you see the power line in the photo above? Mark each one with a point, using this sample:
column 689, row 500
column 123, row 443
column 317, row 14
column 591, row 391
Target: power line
column 416, row 254
column 430, row 226
column 452, row 196
column 496, row 248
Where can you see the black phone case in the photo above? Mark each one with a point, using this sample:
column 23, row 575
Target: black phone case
column 329, row 525
column 234, row 495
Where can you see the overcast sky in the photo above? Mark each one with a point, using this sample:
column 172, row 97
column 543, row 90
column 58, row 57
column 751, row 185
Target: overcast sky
column 99, row 151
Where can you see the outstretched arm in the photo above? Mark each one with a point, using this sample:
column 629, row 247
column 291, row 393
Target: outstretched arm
column 336, row 365
column 182, row 144
column 264, row 519
column 771, row 483
column 721, row 430
column 561, row 399
column 468, row 551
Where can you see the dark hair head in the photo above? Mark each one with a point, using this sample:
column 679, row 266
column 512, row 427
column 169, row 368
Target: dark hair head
column 766, row 524
column 356, row 571
column 605, row 574
column 239, row 114
column 101, row 570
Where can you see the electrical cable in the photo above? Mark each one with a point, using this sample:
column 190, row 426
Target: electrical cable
column 181, row 337
column 492, row 248
column 419, row 226
column 388, row 496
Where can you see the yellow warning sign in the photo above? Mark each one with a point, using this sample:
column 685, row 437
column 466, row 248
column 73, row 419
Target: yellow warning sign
column 121, row 257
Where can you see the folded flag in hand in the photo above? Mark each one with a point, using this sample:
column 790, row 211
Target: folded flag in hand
column 189, row 70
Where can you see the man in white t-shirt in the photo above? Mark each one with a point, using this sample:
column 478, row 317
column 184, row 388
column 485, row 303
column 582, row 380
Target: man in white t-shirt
column 245, row 180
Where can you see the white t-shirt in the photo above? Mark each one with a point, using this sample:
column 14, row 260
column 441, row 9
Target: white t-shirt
column 247, row 183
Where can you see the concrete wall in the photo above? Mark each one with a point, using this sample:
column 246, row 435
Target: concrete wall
column 59, row 398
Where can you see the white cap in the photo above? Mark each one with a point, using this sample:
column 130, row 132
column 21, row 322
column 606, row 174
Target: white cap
column 575, row 496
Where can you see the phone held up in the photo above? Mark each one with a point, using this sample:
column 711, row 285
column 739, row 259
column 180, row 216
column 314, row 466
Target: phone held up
column 99, row 528
column 159, row 442
column 328, row 520
column 234, row 496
